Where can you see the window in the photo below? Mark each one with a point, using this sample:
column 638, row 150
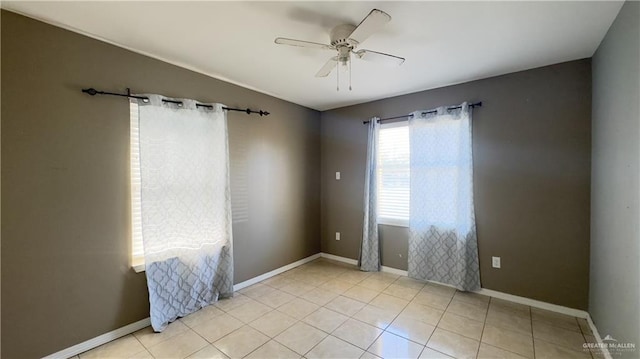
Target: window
column 393, row 174
column 137, row 253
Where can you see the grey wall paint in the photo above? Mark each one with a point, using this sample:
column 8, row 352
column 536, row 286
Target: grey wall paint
column 66, row 276
column 531, row 172
column 614, row 296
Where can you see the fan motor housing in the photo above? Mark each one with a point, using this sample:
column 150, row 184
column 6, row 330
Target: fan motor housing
column 340, row 34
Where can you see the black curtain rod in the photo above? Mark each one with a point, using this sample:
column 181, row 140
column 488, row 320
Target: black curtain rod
column 93, row 92
column 472, row 105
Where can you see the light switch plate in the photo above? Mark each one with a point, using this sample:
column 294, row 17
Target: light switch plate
column 337, row 236
column 495, row 262
column 338, row 176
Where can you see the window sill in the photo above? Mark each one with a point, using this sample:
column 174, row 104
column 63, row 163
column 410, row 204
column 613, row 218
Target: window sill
column 138, row 265
column 393, row 222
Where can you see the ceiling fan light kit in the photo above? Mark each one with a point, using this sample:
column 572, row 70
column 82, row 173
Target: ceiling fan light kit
column 344, row 39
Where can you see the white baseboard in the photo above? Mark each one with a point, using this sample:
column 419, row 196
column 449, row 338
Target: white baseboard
column 596, row 334
column 339, row 259
column 488, row 292
column 534, row 303
column 355, row 263
column 274, row 272
column 394, row 271
column 101, row 339
column 133, row 327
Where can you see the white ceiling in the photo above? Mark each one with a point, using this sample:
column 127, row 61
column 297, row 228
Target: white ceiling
column 444, row 42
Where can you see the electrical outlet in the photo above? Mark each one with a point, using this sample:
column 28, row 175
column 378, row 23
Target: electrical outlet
column 337, row 236
column 338, row 176
column 495, row 262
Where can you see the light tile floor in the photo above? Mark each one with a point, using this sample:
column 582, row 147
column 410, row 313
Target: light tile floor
column 326, row 309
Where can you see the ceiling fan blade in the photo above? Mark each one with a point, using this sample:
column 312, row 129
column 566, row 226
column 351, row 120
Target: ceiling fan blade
column 372, row 23
column 300, row 43
column 328, row 67
column 379, row 57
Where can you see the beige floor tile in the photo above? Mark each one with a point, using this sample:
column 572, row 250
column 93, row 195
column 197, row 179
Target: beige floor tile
column 453, row 344
column 298, row 308
column 257, row 290
column 273, row 323
column 276, row 298
column 378, row 317
column 278, row 281
column 464, row 326
column 228, row 304
column 142, row 355
column 273, row 350
column 442, row 290
column 432, row 300
column 490, row 352
column 208, row 352
column 205, row 314
column 555, row 319
column 368, row 355
column 389, row 345
column 332, row 347
column 429, row 353
column 411, row 329
column 584, row 326
column 337, row 285
column 148, row 337
column 361, row 293
column 472, row 298
column 559, row 336
column 250, row 311
column 325, row 319
column 391, row 277
column 508, row 340
column 179, row 346
column 468, row 310
column 401, row 291
column 409, row 283
column 357, row 333
column 389, row 302
column 216, row 329
column 545, row 350
column 354, row 277
column 301, row 337
column 124, row 347
column 509, row 320
column 344, row 305
column 501, row 305
column 319, row 296
column 376, row 283
column 241, row 342
column 297, row 288
column 423, row 313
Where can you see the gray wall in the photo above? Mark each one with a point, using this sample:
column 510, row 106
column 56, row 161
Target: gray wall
column 614, row 297
column 66, row 276
column 531, row 142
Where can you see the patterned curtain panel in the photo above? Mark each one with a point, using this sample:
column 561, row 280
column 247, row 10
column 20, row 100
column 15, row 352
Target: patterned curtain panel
column 185, row 205
column 370, row 247
column 442, row 232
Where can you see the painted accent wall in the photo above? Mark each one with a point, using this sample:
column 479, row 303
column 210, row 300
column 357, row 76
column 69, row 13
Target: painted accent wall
column 66, row 276
column 614, row 298
column 532, row 148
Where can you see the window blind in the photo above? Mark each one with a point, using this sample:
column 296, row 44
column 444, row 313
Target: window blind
column 393, row 174
column 137, row 251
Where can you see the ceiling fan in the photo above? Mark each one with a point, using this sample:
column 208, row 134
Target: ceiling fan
column 345, row 39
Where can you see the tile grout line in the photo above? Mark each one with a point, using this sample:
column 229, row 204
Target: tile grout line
column 484, row 324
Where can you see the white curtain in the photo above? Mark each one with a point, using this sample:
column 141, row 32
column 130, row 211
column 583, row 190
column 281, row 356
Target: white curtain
column 442, row 231
column 369, row 259
column 185, row 204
